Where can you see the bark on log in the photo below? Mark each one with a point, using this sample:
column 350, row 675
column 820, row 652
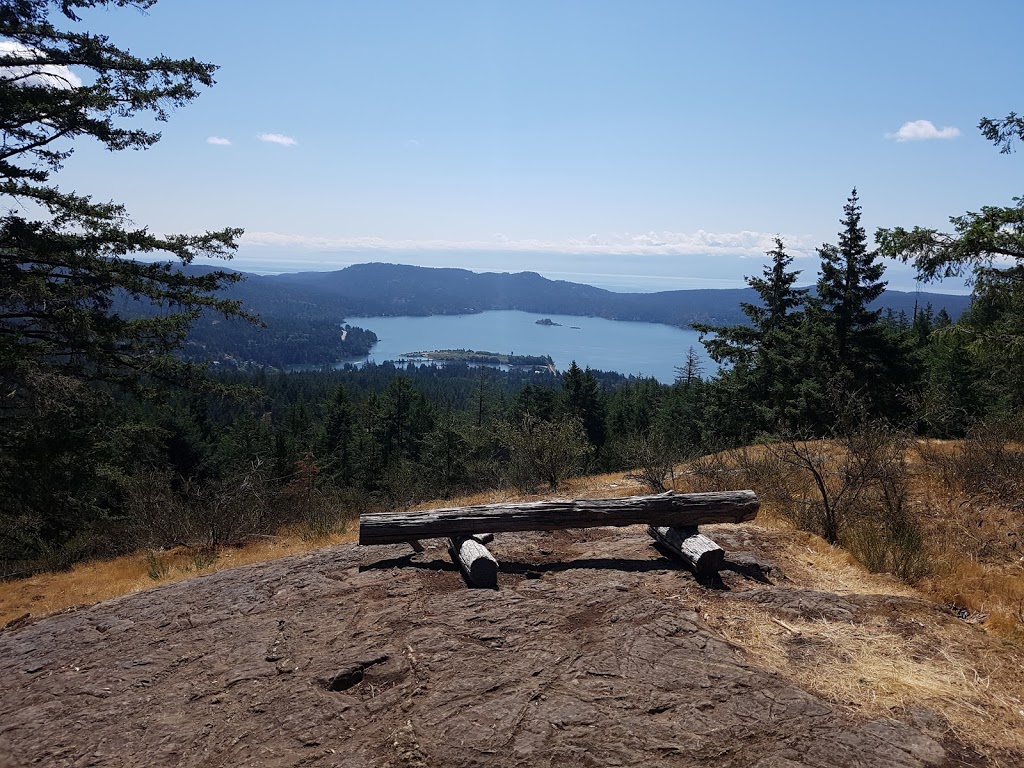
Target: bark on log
column 663, row 509
column 701, row 553
column 475, row 560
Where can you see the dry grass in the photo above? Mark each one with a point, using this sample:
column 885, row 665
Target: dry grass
column 969, row 540
column 888, row 661
column 970, row 672
column 872, row 669
column 974, row 543
column 91, row 582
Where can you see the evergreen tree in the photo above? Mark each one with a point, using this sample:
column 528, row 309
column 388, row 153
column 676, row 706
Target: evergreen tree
column 850, row 279
column 689, row 373
column 338, row 437
column 535, row 400
column 987, row 246
column 406, row 418
column 855, row 363
column 763, row 373
column 63, row 274
column 583, row 401
column 67, row 261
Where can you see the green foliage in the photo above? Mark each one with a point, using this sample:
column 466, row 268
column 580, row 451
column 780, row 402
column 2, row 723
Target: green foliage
column 847, row 355
column 1003, row 132
column 855, row 356
column 757, row 392
column 66, row 353
column 544, row 451
column 988, row 245
column 583, row 402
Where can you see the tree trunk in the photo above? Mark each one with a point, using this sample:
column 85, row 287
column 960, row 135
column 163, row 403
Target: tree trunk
column 702, row 554
column 664, row 509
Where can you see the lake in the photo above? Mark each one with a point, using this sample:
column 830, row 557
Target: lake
column 646, row 349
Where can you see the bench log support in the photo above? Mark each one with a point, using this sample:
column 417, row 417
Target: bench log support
column 698, row 551
column 475, row 561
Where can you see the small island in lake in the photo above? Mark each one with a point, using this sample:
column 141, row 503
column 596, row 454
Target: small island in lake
column 549, row 321
column 482, row 358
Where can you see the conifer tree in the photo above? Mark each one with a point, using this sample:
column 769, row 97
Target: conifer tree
column 63, row 272
column 776, row 315
column 987, row 247
column 850, row 279
column 583, row 401
column 762, row 355
column 338, row 438
column 67, row 262
column 853, row 365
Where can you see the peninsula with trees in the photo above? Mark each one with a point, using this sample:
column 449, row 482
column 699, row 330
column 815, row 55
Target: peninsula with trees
column 474, row 357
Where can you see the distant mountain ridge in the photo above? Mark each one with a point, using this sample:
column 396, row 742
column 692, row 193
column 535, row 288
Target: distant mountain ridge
column 304, row 311
column 399, row 289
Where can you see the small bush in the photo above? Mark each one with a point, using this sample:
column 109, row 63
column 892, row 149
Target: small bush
column 544, row 451
column 713, row 473
column 764, row 470
column 990, row 461
column 157, row 567
column 855, row 494
column 654, row 460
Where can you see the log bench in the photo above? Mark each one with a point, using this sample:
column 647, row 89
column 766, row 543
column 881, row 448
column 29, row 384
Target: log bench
column 672, row 520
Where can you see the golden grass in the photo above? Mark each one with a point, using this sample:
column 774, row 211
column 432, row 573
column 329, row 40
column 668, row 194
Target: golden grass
column 971, row 541
column 982, row 588
column 970, row 672
column 871, row 670
column 886, row 663
column 92, row 582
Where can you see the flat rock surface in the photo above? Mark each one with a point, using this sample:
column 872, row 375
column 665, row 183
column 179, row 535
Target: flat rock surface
column 589, row 654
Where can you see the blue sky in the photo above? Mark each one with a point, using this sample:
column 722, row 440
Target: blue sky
column 664, row 140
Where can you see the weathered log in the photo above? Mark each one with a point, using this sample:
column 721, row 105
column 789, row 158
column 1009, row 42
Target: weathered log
column 698, row 551
column 475, row 560
column 663, row 509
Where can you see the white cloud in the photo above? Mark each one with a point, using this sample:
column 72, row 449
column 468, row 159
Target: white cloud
column 219, row 141
column 277, row 138
column 921, row 130
column 48, row 75
column 745, row 244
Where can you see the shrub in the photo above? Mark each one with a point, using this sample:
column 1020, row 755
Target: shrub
column 543, row 451
column 855, row 494
column 654, row 459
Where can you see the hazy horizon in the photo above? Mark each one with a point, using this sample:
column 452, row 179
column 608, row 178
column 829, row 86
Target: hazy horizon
column 641, row 274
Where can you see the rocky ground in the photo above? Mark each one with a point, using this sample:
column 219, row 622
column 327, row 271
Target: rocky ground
column 595, row 651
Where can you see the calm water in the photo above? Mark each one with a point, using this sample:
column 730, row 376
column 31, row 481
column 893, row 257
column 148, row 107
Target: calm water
column 647, row 349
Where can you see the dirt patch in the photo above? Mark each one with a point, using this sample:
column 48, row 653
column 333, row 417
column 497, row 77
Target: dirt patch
column 372, row 657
